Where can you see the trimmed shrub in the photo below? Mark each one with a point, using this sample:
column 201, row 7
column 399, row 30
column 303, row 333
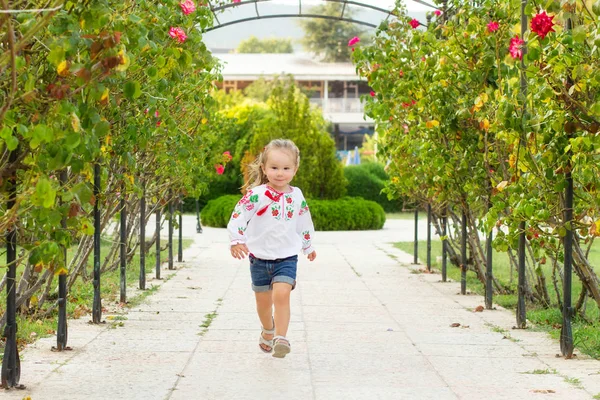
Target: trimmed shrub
column 218, row 211
column 345, row 214
column 367, row 181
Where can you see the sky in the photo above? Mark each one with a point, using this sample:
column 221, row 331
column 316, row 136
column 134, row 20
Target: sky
column 229, row 37
column 411, row 5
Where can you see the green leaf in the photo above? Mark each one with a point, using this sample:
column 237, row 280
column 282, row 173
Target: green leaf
column 132, row 90
column 56, row 55
column 101, row 128
column 45, row 193
column 83, row 192
column 579, row 34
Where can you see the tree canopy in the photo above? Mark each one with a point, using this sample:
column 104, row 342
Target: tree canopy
column 272, row 45
column 329, row 38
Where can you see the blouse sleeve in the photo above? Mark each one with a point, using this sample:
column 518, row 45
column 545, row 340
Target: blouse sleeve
column 242, row 213
column 305, row 227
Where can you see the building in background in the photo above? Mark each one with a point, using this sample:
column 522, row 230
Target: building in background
column 334, row 87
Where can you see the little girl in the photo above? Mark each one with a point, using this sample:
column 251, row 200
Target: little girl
column 272, row 224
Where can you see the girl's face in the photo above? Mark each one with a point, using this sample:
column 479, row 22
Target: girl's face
column 280, row 168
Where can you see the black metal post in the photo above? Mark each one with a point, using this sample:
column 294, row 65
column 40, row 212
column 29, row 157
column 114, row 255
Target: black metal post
column 521, row 310
column 566, row 333
column 429, row 237
column 198, row 225
column 61, row 330
column 97, row 306
column 171, row 233
column 142, row 280
column 123, row 246
column 416, row 250
column 158, row 242
column 463, row 250
column 444, row 244
column 489, row 288
column 489, row 276
column 11, row 363
column 180, row 243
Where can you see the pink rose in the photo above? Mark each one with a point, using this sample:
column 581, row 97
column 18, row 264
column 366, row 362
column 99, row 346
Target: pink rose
column 177, row 33
column 187, row 6
column 353, row 41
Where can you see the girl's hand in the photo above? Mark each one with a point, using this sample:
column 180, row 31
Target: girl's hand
column 239, row 251
column 312, row 256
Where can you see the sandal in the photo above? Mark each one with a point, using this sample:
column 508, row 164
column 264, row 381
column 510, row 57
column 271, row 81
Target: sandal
column 281, row 346
column 264, row 341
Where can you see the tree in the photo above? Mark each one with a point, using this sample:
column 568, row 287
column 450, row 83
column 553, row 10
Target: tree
column 272, row 45
column 329, row 38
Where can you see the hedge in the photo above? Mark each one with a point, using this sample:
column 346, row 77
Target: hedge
column 345, row 214
column 367, row 181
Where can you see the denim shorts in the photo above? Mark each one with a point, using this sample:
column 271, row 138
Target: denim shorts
column 266, row 272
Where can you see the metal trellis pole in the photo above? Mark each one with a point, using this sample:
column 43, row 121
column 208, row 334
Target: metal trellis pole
column 157, row 231
column 97, row 305
column 61, row 330
column 11, row 363
column 463, row 250
column 416, row 245
column 198, row 225
column 180, row 243
column 170, row 233
column 123, row 246
column 444, row 244
column 566, row 333
column 429, row 237
column 142, row 280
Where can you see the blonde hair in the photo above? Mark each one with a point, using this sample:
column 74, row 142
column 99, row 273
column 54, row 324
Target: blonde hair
column 256, row 176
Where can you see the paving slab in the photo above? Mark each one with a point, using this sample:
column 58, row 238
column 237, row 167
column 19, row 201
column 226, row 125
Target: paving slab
column 365, row 324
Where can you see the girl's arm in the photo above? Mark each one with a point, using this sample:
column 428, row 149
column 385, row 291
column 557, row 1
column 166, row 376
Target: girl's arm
column 305, row 227
column 242, row 213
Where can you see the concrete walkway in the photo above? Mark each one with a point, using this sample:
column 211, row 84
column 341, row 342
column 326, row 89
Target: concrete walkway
column 364, row 326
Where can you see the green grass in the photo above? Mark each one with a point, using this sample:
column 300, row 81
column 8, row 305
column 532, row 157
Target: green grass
column 541, row 372
column 81, row 295
column 405, row 215
column 586, row 336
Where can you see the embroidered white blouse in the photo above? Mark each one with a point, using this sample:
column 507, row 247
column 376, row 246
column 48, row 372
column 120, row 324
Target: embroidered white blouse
column 272, row 224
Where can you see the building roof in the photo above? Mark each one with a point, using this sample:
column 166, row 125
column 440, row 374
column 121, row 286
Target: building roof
column 302, row 66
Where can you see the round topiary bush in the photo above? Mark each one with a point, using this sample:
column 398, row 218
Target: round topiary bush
column 217, row 212
column 345, row 214
column 367, row 180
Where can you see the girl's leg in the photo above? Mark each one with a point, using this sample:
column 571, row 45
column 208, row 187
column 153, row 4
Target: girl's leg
column 281, row 300
column 264, row 308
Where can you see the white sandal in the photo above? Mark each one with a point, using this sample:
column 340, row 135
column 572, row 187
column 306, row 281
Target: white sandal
column 265, row 341
column 281, row 346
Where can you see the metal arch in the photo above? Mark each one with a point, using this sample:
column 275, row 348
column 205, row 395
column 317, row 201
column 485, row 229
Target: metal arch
column 214, row 10
column 238, row 21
